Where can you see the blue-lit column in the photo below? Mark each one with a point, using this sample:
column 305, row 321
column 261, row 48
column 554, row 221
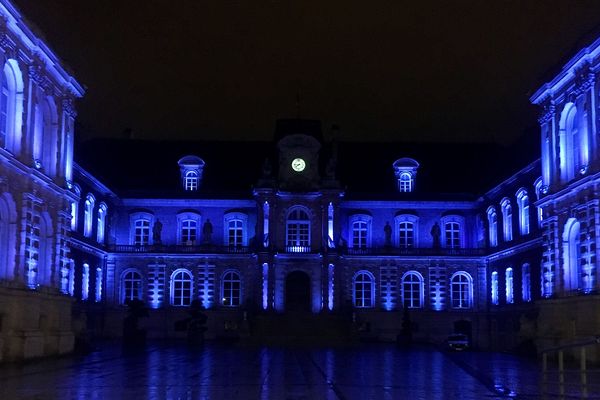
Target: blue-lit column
column 437, row 288
column 330, row 242
column 206, row 285
column 388, row 278
column 156, row 285
column 112, row 283
column 63, row 248
column 330, row 287
column 265, row 286
column 266, row 234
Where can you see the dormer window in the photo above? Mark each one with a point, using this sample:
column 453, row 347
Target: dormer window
column 405, row 170
column 405, row 182
column 191, row 168
column 191, row 180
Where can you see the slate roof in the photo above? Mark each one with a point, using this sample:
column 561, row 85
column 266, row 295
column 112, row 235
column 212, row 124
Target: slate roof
column 143, row 168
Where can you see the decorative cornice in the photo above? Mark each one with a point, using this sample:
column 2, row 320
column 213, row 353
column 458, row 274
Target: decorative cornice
column 547, row 112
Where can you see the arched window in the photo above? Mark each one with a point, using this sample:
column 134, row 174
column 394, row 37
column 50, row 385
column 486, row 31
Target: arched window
column 573, row 142
column 538, row 194
column 100, row 230
column 98, row 284
column 85, row 282
column 75, row 208
column 231, row 289
column 526, row 282
column 461, row 290
column 495, row 299
column 412, row 290
column 11, row 106
column 364, row 289
column 493, row 226
column 181, row 288
column 506, row 219
column 510, row 287
column 573, row 271
column 406, row 231
column 191, row 181
column 360, row 228
column 4, row 110
column 88, row 214
column 131, row 286
column 523, row 203
column 298, row 231
column 405, row 182
column 45, row 138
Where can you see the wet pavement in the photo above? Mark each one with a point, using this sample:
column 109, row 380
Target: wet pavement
column 230, row 371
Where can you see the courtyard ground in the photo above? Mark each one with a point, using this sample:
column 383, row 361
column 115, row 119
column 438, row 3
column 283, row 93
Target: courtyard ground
column 232, row 371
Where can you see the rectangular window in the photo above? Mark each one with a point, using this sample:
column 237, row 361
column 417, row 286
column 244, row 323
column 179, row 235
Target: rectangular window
column 141, row 232
column 235, row 233
column 189, row 230
column 452, row 235
column 359, row 235
column 406, row 236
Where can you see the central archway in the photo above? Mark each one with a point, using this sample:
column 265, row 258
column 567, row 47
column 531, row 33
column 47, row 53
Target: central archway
column 297, row 292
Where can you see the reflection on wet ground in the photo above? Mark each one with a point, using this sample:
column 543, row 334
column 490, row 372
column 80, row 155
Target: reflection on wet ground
column 229, row 371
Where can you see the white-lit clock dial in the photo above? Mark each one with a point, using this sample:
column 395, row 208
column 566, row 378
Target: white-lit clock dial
column 298, row 164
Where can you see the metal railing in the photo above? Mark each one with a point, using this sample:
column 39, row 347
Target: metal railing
column 413, row 251
column 582, row 388
column 179, row 249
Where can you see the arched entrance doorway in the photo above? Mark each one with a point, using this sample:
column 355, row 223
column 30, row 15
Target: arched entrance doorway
column 297, row 291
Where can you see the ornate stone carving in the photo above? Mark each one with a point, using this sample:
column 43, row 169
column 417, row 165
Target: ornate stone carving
column 69, row 107
column 547, row 112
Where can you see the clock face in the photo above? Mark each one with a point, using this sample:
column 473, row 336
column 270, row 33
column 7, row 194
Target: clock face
column 298, row 164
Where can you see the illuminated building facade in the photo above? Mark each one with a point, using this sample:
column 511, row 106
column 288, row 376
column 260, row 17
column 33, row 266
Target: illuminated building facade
column 36, row 174
column 363, row 231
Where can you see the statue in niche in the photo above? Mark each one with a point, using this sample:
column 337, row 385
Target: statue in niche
column 387, row 229
column 157, row 231
column 207, row 230
column 435, row 235
column 480, row 230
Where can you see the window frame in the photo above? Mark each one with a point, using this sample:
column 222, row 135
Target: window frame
column 124, row 298
column 88, row 215
column 191, row 181
column 507, row 217
column 182, row 218
column 363, row 284
column 101, row 227
column 300, row 244
column 421, row 286
column 231, row 217
column 225, row 281
column 365, row 219
column 492, row 217
column 178, row 292
column 406, row 219
column 140, row 216
column 524, row 208
column 453, row 218
column 469, row 290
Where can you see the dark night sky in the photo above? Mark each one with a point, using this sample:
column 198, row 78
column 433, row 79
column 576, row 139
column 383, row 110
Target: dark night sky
column 393, row 70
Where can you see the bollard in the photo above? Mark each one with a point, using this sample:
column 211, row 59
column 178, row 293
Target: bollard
column 584, row 389
column 561, row 374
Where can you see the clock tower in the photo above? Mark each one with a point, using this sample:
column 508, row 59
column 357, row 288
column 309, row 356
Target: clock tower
column 298, row 144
